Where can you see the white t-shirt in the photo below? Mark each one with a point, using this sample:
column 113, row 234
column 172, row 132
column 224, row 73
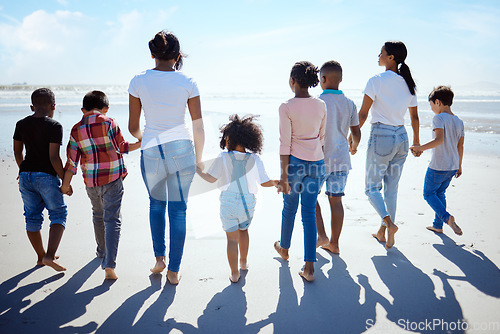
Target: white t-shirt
column 391, row 98
column 164, row 98
column 445, row 156
column 222, row 169
column 341, row 114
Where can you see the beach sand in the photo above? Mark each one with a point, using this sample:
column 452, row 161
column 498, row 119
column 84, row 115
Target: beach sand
column 425, row 279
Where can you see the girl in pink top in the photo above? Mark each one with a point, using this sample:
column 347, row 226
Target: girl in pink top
column 302, row 133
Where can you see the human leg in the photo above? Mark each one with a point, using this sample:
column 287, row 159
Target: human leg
column 337, row 221
column 320, row 227
column 95, row 196
column 155, row 178
column 232, row 255
column 48, row 187
column 244, row 243
column 435, row 185
column 112, row 200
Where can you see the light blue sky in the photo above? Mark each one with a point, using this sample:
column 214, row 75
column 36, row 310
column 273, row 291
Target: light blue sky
column 248, row 45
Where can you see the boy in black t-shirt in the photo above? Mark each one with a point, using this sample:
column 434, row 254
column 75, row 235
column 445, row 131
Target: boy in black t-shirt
column 40, row 174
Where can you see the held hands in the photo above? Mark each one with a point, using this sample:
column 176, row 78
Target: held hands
column 353, row 148
column 67, row 190
column 283, row 187
column 416, row 151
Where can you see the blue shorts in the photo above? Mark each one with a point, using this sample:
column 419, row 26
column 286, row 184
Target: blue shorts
column 41, row 191
column 335, row 183
column 232, row 211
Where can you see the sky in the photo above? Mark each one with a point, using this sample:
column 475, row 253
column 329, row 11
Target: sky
column 248, row 45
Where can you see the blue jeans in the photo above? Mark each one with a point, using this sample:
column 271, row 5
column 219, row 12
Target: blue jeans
column 387, row 151
column 39, row 191
column 106, row 203
column 305, row 179
column 168, row 170
column 435, row 185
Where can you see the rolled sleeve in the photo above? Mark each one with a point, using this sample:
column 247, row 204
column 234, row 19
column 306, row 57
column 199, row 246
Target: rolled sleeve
column 285, row 131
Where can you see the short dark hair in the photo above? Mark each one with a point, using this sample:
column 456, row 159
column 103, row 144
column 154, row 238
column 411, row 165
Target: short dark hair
column 331, row 66
column 95, row 100
column 443, row 94
column 305, row 73
column 166, row 46
column 242, row 131
column 43, row 97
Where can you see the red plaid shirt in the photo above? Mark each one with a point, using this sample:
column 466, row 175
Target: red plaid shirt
column 96, row 141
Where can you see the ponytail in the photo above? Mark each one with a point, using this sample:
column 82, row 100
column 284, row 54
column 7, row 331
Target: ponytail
column 166, row 46
column 404, row 71
column 398, row 50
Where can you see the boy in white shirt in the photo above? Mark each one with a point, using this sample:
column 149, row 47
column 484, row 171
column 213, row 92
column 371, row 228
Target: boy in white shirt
column 447, row 154
column 341, row 116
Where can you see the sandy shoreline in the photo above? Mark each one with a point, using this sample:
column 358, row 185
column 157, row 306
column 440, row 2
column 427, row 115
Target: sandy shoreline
column 424, row 277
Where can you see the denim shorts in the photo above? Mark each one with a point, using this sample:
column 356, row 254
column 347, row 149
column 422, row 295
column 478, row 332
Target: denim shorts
column 232, row 211
column 41, row 191
column 335, row 183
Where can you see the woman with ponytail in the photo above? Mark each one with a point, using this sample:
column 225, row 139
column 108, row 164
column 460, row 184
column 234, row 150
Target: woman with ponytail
column 168, row 158
column 388, row 95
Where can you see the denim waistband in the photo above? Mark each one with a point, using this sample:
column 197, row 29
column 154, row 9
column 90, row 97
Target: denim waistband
column 395, row 128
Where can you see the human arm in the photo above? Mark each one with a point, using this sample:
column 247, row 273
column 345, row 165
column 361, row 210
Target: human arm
column 415, row 125
column 134, row 116
column 270, row 183
column 283, row 185
column 460, row 148
column 194, row 106
column 18, row 152
column 354, row 139
column 55, row 159
column 205, row 176
column 365, row 108
column 66, row 183
column 438, row 140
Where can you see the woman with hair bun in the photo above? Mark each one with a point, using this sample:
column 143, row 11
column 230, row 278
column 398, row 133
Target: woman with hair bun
column 388, row 95
column 168, row 157
column 302, row 134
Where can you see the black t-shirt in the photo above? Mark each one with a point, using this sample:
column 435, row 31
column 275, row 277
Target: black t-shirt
column 36, row 134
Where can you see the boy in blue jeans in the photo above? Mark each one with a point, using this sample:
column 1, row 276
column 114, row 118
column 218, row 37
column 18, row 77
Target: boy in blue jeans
column 341, row 117
column 40, row 174
column 96, row 141
column 447, row 155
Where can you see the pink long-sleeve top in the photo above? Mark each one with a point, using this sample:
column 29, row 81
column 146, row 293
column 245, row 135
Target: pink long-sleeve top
column 302, row 128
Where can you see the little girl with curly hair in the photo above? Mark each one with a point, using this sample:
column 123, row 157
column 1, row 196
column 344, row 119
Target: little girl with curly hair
column 238, row 171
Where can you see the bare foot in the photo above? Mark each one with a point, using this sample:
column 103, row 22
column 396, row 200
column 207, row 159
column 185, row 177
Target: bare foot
column 391, row 230
column 243, row 265
column 454, row 226
column 53, row 264
column 307, row 276
column 173, row 277
column 159, row 266
column 379, row 237
column 322, row 241
column 281, row 251
column 39, row 262
column 110, row 273
column 433, row 229
column 234, row 278
column 331, row 248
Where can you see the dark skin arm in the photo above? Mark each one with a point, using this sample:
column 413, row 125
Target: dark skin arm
column 55, row 159
column 283, row 185
column 18, row 152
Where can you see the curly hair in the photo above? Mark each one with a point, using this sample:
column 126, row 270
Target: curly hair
column 305, row 74
column 242, row 131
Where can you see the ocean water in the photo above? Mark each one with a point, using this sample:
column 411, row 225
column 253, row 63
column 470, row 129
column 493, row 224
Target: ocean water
column 480, row 113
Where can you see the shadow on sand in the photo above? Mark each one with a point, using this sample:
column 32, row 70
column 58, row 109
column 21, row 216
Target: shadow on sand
column 415, row 302
column 57, row 309
column 478, row 270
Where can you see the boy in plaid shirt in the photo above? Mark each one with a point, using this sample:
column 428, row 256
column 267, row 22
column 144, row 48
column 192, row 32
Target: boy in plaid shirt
column 96, row 141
